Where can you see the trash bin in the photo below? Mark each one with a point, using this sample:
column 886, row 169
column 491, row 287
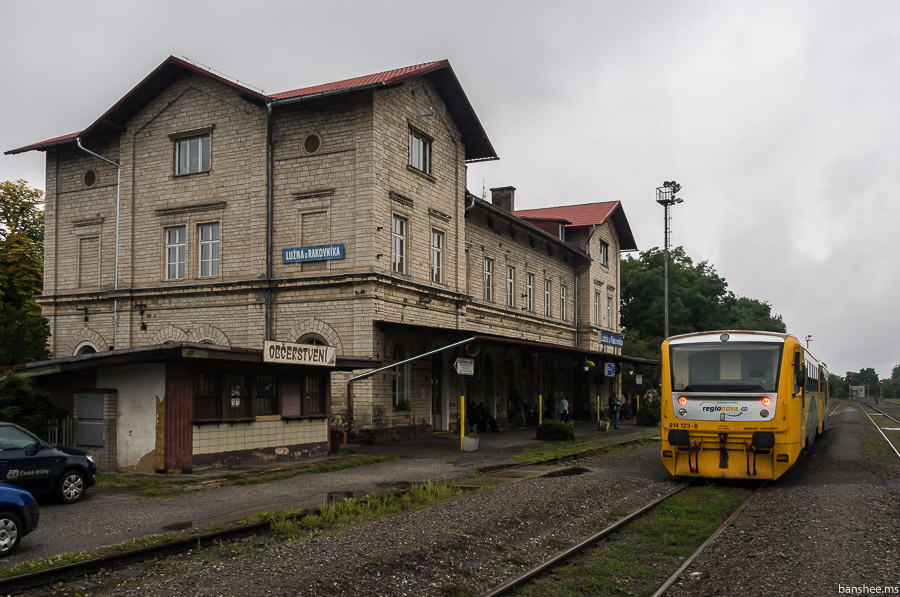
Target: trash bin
column 337, row 438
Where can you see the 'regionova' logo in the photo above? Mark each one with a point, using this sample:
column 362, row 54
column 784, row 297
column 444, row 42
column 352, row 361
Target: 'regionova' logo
column 729, row 410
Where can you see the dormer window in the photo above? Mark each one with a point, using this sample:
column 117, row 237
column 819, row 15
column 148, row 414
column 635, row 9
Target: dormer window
column 192, row 155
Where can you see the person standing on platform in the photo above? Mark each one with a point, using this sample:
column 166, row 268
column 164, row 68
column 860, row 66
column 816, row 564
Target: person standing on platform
column 564, row 410
column 614, row 406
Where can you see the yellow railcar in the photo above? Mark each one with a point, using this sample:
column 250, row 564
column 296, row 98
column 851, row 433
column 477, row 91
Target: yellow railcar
column 739, row 404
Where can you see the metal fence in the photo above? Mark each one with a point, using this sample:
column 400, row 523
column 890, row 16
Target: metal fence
column 59, row 430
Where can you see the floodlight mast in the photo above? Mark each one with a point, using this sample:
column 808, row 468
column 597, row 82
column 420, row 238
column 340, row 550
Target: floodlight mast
column 665, row 196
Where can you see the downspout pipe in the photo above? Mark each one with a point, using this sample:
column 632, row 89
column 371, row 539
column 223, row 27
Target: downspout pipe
column 269, row 219
column 118, row 188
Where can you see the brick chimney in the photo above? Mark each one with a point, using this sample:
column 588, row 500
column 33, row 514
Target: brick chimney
column 504, row 198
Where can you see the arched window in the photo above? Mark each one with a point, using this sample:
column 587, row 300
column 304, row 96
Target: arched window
column 85, row 347
column 399, row 399
column 312, row 339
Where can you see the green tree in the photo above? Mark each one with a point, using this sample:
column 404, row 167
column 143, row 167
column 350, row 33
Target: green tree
column 21, row 403
column 699, row 300
column 23, row 331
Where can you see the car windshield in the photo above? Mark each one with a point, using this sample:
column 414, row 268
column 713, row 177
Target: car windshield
column 736, row 367
column 14, row 439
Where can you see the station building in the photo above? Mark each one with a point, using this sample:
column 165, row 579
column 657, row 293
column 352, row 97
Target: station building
column 198, row 214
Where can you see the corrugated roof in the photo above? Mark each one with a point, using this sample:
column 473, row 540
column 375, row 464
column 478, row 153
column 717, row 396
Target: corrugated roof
column 388, row 77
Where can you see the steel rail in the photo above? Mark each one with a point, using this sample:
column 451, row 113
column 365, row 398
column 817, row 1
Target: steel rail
column 579, row 547
column 878, row 427
column 675, row 575
column 18, row 583
column 878, row 410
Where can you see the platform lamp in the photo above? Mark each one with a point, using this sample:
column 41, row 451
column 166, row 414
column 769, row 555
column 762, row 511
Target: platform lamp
column 808, row 338
column 665, row 196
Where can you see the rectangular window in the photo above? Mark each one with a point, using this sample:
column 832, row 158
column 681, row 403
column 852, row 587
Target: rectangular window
column 563, row 312
column 207, row 397
column 609, row 321
column 398, row 248
column 437, row 257
column 209, row 250
column 547, row 299
column 510, row 287
column 604, row 254
column 237, row 402
column 529, row 292
column 419, row 151
column 264, row 389
column 488, row 279
column 192, row 155
column 313, row 396
column 175, row 244
column 597, row 308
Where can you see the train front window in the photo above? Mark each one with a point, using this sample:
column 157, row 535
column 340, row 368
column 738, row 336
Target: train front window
column 744, row 367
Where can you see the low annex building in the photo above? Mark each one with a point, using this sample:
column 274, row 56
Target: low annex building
column 200, row 212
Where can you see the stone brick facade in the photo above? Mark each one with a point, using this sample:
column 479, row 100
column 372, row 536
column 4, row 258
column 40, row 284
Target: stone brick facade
column 335, row 169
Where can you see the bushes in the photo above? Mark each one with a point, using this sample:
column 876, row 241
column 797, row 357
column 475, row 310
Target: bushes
column 23, row 404
column 555, row 431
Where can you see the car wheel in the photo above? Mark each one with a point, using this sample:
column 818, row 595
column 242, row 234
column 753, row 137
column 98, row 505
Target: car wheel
column 71, row 487
column 10, row 529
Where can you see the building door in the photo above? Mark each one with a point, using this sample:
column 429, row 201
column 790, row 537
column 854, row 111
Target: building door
column 438, row 393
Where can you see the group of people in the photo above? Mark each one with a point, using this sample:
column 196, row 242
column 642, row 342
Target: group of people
column 482, row 418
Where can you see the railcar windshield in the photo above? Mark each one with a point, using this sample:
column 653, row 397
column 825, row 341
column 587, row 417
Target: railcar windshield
column 735, row 367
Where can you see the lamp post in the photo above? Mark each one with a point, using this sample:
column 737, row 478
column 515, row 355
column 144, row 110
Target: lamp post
column 665, row 196
column 808, row 338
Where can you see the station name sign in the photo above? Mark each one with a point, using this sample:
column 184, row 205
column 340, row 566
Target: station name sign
column 611, row 339
column 299, row 354
column 317, row 253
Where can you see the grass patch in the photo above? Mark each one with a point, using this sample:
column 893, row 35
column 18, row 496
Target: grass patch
column 355, row 511
column 159, row 486
column 876, row 449
column 81, row 556
column 637, row 559
column 560, row 450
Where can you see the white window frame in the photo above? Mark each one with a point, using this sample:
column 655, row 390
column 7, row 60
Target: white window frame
column 209, row 249
column 192, row 154
column 399, row 243
column 437, row 256
column 604, row 254
column 175, row 252
column 510, row 286
column 548, row 297
column 563, row 307
column 420, row 151
column 489, row 279
column 597, row 308
column 529, row 292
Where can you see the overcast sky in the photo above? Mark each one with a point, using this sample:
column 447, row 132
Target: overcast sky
column 780, row 119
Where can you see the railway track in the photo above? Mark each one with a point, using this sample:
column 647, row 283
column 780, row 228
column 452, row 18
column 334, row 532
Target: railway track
column 888, row 425
column 56, row 574
column 561, row 558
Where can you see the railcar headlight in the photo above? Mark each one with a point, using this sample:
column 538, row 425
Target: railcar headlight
column 764, row 413
column 682, row 400
column 766, row 401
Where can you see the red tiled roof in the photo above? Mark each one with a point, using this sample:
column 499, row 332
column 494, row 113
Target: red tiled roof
column 478, row 146
column 586, row 214
column 386, row 78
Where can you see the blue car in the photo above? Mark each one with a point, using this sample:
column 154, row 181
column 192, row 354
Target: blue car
column 19, row 515
column 41, row 468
